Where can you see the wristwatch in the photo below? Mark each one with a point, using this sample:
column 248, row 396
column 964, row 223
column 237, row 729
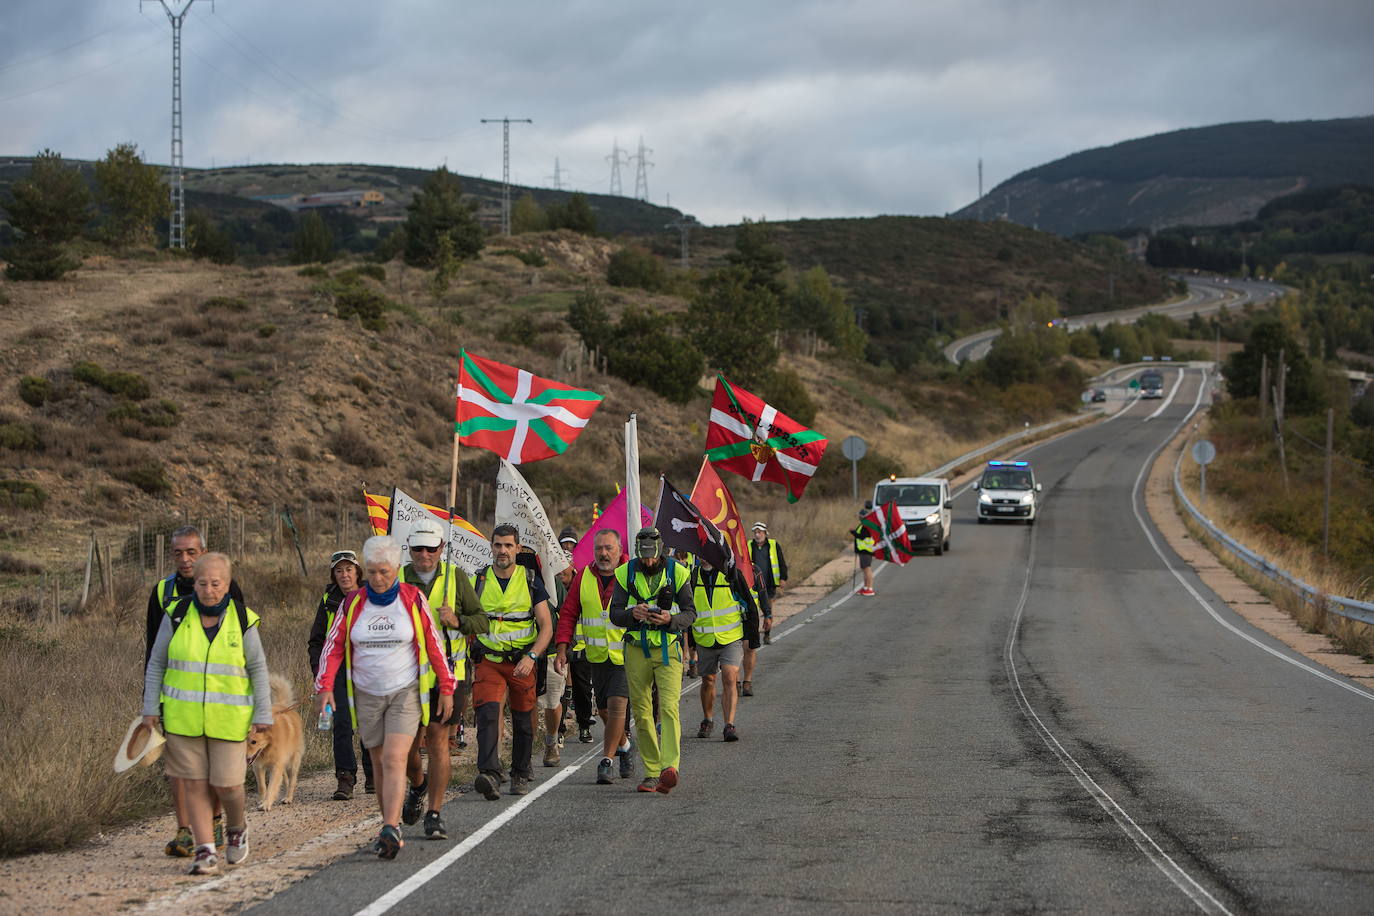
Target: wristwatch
column 533, row 655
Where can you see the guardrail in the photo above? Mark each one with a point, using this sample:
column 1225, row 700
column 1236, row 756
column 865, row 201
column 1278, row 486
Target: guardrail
column 1349, row 608
column 944, row 469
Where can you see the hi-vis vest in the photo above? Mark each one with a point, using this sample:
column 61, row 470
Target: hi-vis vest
column 642, row 591
column 773, row 559
column 604, row 642
column 206, row 691
column 167, row 592
column 427, row 678
column 865, row 544
column 455, row 643
column 720, row 616
column 509, row 610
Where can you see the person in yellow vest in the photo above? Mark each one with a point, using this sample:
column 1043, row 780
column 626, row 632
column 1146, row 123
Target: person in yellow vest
column 580, row 670
column 457, row 615
column 864, row 545
column 519, row 628
column 768, row 558
column 345, row 577
column 386, row 647
column 587, row 608
column 719, row 634
column 206, row 682
column 652, row 600
column 689, row 646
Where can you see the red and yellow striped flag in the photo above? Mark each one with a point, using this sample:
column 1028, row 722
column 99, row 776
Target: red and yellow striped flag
column 379, row 515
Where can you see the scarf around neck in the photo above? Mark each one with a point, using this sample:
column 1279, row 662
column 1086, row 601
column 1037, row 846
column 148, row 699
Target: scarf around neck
column 382, row 599
column 213, row 610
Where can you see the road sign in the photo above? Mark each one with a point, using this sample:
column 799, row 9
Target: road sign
column 1204, row 452
column 1086, row 397
column 1134, row 385
column 854, row 448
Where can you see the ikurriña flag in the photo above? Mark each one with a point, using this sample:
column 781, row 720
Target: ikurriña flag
column 884, row 524
column 517, row 414
column 749, row 437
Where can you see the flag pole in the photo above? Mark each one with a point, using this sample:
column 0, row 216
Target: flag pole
column 457, row 442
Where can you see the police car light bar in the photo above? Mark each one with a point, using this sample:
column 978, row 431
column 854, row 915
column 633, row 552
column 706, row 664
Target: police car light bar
column 1008, row 464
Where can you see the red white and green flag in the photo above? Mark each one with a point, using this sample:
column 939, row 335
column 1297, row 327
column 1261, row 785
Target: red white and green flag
column 517, row 414
column 750, row 437
column 884, row 524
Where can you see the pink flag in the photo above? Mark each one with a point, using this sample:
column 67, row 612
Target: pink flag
column 613, row 516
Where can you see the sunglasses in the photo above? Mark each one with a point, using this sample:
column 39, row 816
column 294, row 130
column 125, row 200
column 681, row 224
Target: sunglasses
column 415, row 547
column 343, row 555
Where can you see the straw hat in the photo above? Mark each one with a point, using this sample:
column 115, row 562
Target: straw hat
column 141, row 746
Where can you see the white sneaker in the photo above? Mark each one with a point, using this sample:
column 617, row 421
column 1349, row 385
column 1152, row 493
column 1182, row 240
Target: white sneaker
column 206, row 862
column 235, row 845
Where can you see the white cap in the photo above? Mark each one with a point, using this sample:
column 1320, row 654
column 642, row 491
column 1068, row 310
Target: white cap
column 760, row 526
column 426, row 533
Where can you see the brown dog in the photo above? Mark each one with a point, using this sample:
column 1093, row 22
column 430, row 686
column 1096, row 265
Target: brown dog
column 277, row 752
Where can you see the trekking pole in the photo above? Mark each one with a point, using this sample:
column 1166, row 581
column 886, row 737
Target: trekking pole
column 854, row 573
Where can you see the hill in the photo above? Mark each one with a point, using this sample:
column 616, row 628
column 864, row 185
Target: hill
column 1199, row 176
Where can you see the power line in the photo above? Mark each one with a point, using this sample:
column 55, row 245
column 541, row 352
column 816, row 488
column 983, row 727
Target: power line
column 505, row 166
column 81, row 76
column 76, row 44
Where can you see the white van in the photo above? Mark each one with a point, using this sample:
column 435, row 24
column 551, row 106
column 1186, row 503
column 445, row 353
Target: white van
column 924, row 505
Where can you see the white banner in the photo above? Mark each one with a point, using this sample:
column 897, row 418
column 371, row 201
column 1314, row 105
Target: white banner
column 470, row 551
column 632, row 497
column 517, row 504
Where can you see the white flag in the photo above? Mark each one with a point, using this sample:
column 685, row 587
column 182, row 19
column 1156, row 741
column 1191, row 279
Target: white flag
column 466, row 548
column 632, row 499
column 516, row 504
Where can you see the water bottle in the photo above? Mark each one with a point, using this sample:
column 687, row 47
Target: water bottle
column 326, row 718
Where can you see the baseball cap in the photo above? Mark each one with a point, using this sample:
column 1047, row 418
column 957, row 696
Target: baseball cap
column 567, row 536
column 426, row 533
column 648, row 544
column 760, row 526
column 343, row 556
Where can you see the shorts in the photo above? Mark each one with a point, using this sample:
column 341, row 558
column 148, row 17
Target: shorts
column 865, row 560
column 394, row 714
column 554, row 685
column 223, row 763
column 608, row 680
column 710, row 658
column 458, row 694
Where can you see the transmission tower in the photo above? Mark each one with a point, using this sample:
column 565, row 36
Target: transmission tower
column 505, row 166
column 616, row 157
column 557, row 175
column 642, row 171
column 176, row 231
column 684, row 225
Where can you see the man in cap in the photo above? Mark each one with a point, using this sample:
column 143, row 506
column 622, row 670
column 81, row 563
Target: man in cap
column 457, row 615
column 718, row 633
column 577, row 660
column 652, row 600
column 864, row 545
column 767, row 557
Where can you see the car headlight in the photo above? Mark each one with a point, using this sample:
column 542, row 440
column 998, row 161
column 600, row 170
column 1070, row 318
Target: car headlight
column 933, row 518
column 1027, row 499
column 985, row 497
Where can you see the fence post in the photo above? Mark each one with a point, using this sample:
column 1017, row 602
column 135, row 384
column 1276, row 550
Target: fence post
column 141, row 554
column 86, row 586
column 157, row 563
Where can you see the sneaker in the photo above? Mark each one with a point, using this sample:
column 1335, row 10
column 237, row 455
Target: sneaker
column 584, row 734
column 746, row 688
column 183, row 845
column 627, row 764
column 705, row 729
column 648, row 784
column 236, row 849
column 767, row 637
column 519, row 785
column 462, row 737
column 867, row 592
column 666, row 780
column 605, row 772
column 219, row 830
column 415, row 800
column 552, row 755
column 692, row 669
column 730, row 733
column 206, row 863
column 434, row 826
column 559, row 740
column 389, row 842
column 488, row 785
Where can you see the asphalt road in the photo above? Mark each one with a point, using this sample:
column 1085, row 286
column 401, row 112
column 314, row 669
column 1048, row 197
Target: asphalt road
column 1204, row 297
column 1043, row 719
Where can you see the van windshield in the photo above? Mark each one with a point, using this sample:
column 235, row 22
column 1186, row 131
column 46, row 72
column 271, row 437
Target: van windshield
column 909, row 494
column 1006, row 480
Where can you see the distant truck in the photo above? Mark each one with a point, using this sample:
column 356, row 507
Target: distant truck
column 1151, row 384
column 924, row 505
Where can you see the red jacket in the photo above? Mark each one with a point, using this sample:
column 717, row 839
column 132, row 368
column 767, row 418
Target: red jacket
column 331, row 657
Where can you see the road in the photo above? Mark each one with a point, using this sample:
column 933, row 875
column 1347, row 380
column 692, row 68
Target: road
column 1043, row 719
column 1204, row 297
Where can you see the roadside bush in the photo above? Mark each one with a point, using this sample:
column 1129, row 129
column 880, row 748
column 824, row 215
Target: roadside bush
column 35, row 391
column 20, row 494
column 636, row 267
column 18, row 436
column 126, row 384
column 367, row 305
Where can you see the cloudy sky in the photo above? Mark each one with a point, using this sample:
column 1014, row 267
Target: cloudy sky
column 759, row 108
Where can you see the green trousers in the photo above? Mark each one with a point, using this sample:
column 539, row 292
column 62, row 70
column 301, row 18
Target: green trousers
column 658, row 751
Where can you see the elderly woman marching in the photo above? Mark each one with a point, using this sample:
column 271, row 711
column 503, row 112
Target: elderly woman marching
column 345, row 578
column 383, row 639
column 207, row 681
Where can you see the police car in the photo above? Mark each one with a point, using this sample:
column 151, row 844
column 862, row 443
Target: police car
column 1007, row 490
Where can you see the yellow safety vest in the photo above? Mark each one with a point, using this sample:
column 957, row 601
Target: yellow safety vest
column 455, row 643
column 720, row 617
column 206, row 691
column 773, row 559
column 865, row 544
column 510, row 612
column 427, row 678
column 604, row 642
column 166, row 600
column 643, row 591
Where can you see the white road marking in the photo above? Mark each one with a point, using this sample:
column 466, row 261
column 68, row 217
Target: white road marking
column 1178, row 383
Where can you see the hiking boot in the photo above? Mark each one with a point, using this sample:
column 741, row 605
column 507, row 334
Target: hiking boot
column 692, row 669
column 704, row 731
column 666, row 780
column 369, row 787
column 730, row 733
column 559, row 739
column 236, row 849
column 206, row 863
column 627, row 764
column 584, row 734
column 488, row 785
column 519, row 785
column 434, row 826
column 605, row 772
column 219, row 830
column 767, row 637
column 183, row 845
column 346, row 783
column 552, row 755
column 388, row 842
column 415, row 800
column 746, row 688
column 648, row 784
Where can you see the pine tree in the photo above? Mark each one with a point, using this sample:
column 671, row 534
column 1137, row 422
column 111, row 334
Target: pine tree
column 313, row 242
column 438, row 209
column 133, row 195
column 733, row 322
column 528, row 216
column 49, row 209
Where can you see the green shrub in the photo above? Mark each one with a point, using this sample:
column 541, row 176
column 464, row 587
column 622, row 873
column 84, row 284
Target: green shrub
column 18, row 436
column 532, row 258
column 313, row 270
column 518, row 329
column 148, row 475
column 226, row 303
column 634, row 266
column 356, row 448
column 366, row 304
column 374, row 271
column 266, row 330
column 4, row 298
column 786, row 391
column 361, row 382
column 161, row 415
column 89, row 373
column 35, row 391
column 20, row 494
column 128, row 384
